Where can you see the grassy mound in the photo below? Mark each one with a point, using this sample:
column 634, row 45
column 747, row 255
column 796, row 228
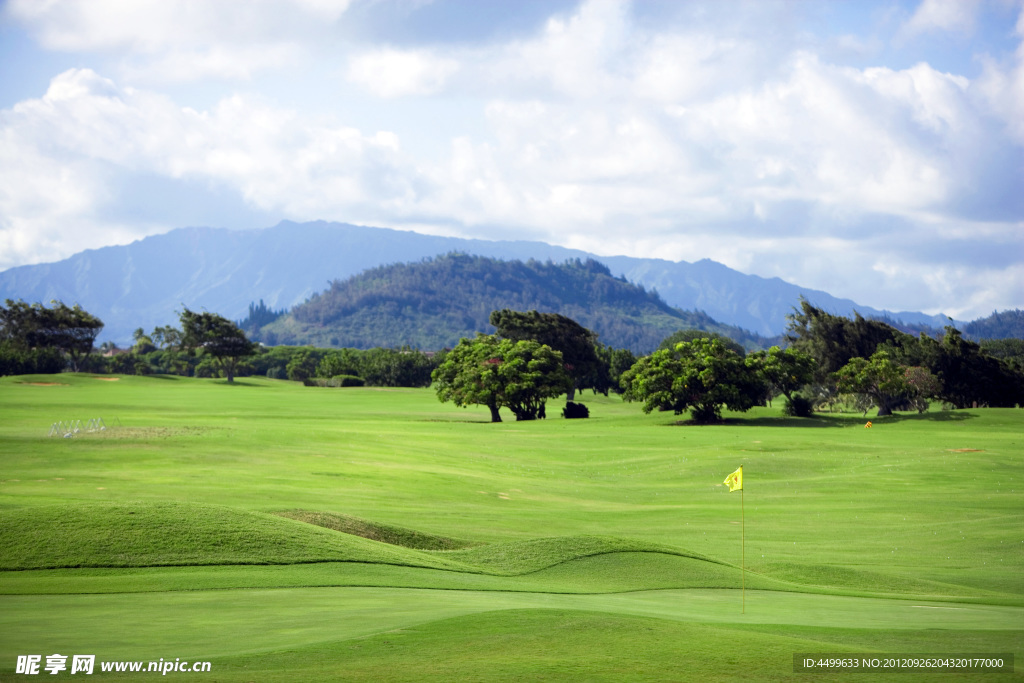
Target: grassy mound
column 385, row 533
column 523, row 557
column 180, row 534
column 176, row 534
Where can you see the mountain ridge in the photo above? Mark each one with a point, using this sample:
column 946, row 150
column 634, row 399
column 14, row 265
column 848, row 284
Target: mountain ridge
column 144, row 283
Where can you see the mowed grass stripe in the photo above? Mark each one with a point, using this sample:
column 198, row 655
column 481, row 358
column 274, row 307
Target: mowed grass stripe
column 568, row 645
column 215, row 623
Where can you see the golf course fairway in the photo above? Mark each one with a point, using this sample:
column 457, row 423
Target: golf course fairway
column 287, row 533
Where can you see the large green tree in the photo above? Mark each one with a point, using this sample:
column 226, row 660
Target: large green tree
column 495, row 372
column 702, row 376
column 575, row 342
column 69, row 329
column 878, row 379
column 216, row 336
column 784, row 370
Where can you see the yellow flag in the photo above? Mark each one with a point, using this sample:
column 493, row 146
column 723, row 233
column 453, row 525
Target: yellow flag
column 735, row 480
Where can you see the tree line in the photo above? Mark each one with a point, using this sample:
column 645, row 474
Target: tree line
column 36, row 339
column 534, row 357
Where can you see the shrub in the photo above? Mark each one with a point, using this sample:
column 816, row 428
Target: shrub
column 798, row 407
column 45, row 361
column 575, row 411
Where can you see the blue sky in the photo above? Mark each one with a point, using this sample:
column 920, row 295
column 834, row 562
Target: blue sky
column 871, row 149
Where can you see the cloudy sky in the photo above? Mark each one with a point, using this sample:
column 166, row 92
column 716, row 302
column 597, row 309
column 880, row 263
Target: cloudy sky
column 871, row 148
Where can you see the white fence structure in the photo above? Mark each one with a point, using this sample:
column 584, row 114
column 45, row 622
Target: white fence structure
column 68, row 429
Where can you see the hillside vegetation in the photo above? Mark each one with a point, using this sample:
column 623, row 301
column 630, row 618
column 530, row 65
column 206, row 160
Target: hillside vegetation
column 435, row 302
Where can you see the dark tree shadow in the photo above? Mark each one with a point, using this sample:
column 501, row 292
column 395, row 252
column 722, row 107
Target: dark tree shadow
column 938, row 416
column 239, row 383
column 832, row 421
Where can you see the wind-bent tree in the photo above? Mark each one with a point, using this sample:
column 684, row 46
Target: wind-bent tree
column 68, row 329
column 575, row 342
column 833, row 340
column 217, row 336
column 702, row 376
column 499, row 372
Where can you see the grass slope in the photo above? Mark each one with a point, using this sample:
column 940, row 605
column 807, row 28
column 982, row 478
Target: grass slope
column 169, row 534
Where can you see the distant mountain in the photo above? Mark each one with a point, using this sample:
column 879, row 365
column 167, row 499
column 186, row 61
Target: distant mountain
column 142, row 284
column 435, row 302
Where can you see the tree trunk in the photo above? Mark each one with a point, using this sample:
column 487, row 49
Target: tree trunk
column 495, row 415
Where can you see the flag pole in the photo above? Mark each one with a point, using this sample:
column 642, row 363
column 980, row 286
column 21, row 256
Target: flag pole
column 735, row 481
column 743, row 556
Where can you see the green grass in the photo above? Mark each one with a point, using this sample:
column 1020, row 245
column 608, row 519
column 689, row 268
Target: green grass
column 288, row 533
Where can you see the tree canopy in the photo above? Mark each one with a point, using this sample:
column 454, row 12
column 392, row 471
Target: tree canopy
column 833, row 340
column 688, row 335
column 877, row 378
column 68, row 329
column 785, row 370
column 575, row 342
column 217, row 336
column 495, row 372
column 702, row 376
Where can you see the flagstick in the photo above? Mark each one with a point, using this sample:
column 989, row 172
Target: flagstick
column 743, row 557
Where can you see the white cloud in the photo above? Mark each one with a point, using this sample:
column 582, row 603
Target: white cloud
column 64, row 151
column 398, row 73
column 181, row 40
column 1001, row 85
column 156, row 25
column 942, row 15
column 577, row 55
